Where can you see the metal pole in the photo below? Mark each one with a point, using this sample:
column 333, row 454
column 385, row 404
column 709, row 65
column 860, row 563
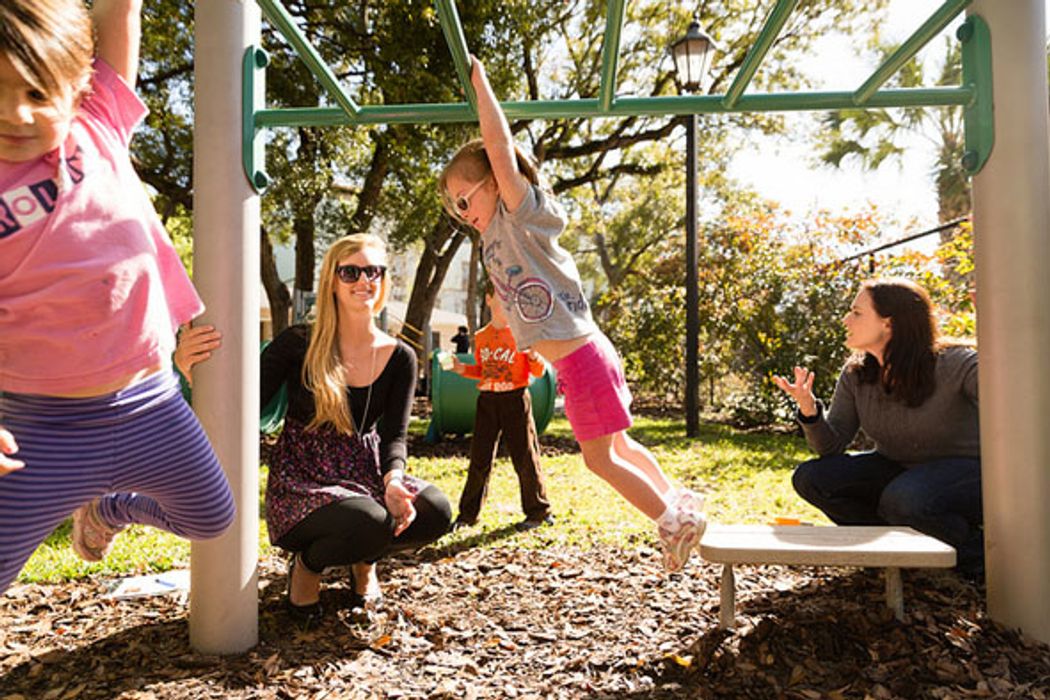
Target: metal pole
column 692, row 295
column 224, row 592
column 1012, row 233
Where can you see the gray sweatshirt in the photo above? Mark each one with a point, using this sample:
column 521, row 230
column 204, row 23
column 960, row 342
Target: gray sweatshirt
column 945, row 425
column 536, row 279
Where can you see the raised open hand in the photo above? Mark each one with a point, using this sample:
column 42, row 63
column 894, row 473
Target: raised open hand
column 801, row 390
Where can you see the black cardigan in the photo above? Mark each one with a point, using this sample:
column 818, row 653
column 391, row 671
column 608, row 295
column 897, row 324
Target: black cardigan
column 390, row 405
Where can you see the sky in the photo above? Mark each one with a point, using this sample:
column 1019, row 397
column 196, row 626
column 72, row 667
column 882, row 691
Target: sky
column 787, row 173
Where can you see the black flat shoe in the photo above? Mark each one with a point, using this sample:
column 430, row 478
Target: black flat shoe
column 528, row 524
column 462, row 524
column 304, row 615
column 367, row 601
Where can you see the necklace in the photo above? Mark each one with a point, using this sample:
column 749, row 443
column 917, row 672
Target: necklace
column 368, row 396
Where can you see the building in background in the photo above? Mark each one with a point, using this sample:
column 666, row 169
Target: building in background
column 449, row 311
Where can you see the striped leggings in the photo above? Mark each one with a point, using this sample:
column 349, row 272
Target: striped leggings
column 140, row 449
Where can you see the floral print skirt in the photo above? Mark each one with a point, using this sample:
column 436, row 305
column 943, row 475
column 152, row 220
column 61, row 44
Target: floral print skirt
column 311, row 469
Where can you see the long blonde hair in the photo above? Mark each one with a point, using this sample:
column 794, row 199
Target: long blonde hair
column 323, row 373
column 50, row 43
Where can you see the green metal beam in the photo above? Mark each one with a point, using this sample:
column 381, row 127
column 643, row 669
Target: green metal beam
column 768, row 35
column 623, row 107
column 978, row 116
column 284, row 23
column 611, row 52
column 253, row 99
column 975, row 95
column 940, row 19
column 457, row 45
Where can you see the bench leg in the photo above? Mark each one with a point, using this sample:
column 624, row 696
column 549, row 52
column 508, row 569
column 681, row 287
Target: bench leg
column 895, row 591
column 727, row 610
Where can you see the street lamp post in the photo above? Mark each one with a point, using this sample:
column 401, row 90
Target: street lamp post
column 691, row 56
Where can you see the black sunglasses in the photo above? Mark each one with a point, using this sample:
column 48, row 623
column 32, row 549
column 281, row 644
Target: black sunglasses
column 351, row 273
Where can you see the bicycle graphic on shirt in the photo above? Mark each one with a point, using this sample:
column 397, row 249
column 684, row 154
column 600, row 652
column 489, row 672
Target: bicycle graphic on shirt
column 531, row 297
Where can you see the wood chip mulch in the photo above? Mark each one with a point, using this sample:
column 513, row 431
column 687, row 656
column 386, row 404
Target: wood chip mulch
column 510, row 623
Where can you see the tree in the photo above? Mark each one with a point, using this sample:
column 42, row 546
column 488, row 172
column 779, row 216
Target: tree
column 162, row 149
column 382, row 178
column 873, row 136
column 550, row 50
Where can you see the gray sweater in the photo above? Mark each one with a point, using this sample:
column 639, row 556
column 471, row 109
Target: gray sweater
column 945, row 425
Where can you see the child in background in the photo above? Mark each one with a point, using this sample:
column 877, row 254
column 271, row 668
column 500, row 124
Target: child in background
column 91, row 291
column 492, row 186
column 504, row 407
column 461, row 340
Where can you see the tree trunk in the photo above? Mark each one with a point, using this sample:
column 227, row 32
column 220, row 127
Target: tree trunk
column 441, row 245
column 304, row 227
column 368, row 198
column 276, row 292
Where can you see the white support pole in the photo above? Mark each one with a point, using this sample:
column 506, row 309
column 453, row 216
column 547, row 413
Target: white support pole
column 1012, row 229
column 224, row 590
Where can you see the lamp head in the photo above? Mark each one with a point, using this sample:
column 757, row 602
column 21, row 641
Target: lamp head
column 692, row 55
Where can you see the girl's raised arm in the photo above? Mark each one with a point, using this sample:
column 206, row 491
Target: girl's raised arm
column 499, row 144
column 118, row 26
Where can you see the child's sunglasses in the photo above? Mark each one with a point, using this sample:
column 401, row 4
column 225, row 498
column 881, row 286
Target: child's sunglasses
column 462, row 202
column 351, row 273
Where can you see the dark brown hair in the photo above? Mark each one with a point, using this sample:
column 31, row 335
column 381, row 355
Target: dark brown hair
column 471, row 162
column 908, row 363
column 50, row 43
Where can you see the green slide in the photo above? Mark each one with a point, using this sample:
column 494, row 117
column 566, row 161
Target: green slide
column 453, row 399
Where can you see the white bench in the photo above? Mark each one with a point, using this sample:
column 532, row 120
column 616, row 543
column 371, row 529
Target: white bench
column 890, row 547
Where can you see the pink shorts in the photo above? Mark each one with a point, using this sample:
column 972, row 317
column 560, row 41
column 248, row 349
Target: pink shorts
column 597, row 400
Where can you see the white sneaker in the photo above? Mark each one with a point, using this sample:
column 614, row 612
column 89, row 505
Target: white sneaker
column 685, row 499
column 92, row 539
column 679, row 542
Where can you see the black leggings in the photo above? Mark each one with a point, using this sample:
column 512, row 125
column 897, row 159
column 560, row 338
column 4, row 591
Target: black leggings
column 357, row 529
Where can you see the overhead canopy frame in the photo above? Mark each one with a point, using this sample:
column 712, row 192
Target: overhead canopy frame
column 975, row 93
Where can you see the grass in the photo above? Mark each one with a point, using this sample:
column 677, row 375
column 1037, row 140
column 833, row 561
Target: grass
column 746, row 478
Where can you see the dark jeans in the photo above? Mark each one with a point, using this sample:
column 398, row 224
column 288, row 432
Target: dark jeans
column 358, row 529
column 506, row 413
column 940, row 498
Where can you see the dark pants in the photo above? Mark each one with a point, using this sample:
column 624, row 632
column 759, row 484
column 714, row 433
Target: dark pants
column 508, row 413
column 359, row 529
column 940, row 498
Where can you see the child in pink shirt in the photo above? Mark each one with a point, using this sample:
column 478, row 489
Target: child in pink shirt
column 91, row 291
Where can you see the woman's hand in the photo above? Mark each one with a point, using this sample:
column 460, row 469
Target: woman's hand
column 801, row 390
column 195, row 345
column 8, row 446
column 399, row 502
